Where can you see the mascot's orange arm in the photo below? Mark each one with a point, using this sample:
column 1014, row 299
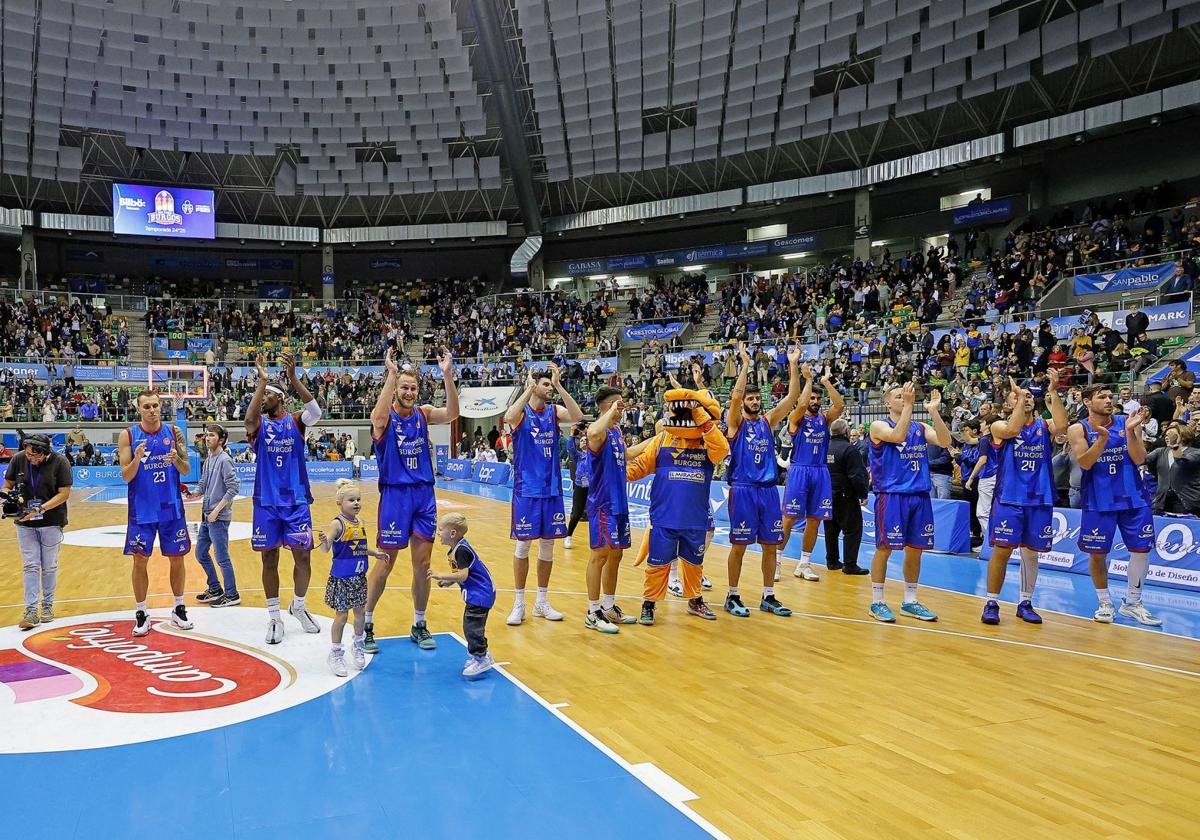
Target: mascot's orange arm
column 644, row 463
column 717, row 444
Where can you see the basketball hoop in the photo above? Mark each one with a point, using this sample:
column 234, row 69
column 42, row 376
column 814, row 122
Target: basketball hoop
column 178, row 383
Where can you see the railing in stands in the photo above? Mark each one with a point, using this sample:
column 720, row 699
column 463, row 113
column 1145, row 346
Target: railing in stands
column 123, row 303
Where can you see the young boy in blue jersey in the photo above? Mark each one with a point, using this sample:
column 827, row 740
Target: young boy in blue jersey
column 1023, row 507
column 755, row 511
column 407, row 506
column 478, row 591
column 537, row 505
column 1112, row 497
column 281, row 492
column 982, row 480
column 153, row 459
column 903, row 509
column 608, row 513
column 346, row 589
column 809, row 489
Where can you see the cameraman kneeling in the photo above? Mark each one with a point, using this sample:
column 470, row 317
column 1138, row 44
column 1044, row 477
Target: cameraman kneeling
column 42, row 477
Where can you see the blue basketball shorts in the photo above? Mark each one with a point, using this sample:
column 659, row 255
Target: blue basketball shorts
column 1097, row 528
column 808, row 493
column 755, row 515
column 1031, row 526
column 903, row 519
column 538, row 519
column 172, row 534
column 608, row 529
column 281, row 525
column 404, row 513
column 668, row 543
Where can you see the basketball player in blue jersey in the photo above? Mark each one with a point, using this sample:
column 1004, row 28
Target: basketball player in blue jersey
column 153, row 459
column 537, row 504
column 608, row 513
column 1023, row 503
column 755, row 513
column 809, row 490
column 903, row 510
column 281, row 492
column 1111, row 497
column 407, row 507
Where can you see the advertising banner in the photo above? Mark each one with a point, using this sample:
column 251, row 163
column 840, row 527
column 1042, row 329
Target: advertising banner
column 457, row 468
column 1124, row 279
column 481, row 403
column 441, row 454
column 643, row 332
column 986, row 211
column 140, row 210
column 488, row 473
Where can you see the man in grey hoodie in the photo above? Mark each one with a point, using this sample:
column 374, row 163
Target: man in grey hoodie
column 219, row 486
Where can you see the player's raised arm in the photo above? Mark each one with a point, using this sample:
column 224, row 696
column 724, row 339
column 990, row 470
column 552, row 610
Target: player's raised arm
column 381, row 414
column 569, row 411
column 940, row 432
column 1058, row 411
column 797, row 413
column 734, row 421
column 1010, row 428
column 1085, row 455
column 254, row 411
column 312, row 409
column 836, row 404
column 449, row 413
column 516, row 411
column 1133, row 435
column 776, row 414
column 597, row 432
column 881, row 432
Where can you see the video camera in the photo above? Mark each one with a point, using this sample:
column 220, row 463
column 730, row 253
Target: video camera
column 15, row 505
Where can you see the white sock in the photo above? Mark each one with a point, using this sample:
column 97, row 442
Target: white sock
column 993, row 596
column 733, row 590
column 803, row 558
column 910, row 593
column 370, row 617
column 337, row 648
column 298, row 602
column 608, row 601
column 273, row 608
column 542, row 595
column 877, row 593
column 768, row 591
column 1103, row 595
column 1026, row 596
column 141, row 605
column 593, row 606
column 360, row 639
column 519, row 596
column 418, row 616
column 179, row 600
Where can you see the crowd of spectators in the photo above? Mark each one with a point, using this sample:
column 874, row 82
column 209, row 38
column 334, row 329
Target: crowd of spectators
column 59, row 332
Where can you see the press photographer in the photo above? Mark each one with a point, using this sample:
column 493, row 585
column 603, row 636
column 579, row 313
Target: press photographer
column 37, row 485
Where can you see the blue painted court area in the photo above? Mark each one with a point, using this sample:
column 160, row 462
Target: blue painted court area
column 1056, row 591
column 406, row 749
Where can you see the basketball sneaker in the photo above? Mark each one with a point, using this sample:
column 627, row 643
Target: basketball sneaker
column 301, row 614
column 30, row 619
column 1138, row 612
column 542, row 609
column 696, row 606
column 615, row 616
column 675, row 587
column 1026, row 613
column 882, row 612
column 991, row 613
column 771, row 604
column 734, row 606
column 1104, row 613
column 179, row 618
column 918, row 610
column 567, row 542
column 370, row 645
column 647, row 617
column 517, row 616
column 226, row 600
column 596, row 621
column 358, row 655
column 477, row 666
column 805, row 571
column 275, row 631
column 47, row 613
column 209, row 595
column 421, row 635
column 141, row 623
column 705, row 584
column 337, row 662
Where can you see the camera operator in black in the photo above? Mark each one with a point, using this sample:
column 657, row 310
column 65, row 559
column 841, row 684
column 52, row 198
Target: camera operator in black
column 43, row 478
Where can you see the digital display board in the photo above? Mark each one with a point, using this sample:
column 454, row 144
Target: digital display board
column 140, row 210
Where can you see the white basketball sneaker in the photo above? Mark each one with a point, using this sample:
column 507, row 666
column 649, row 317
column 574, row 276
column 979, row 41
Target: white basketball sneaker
column 275, row 631
column 141, row 623
column 542, row 609
column 675, row 587
column 805, row 571
column 517, row 616
column 358, row 654
column 305, row 618
column 1104, row 613
column 179, row 618
column 1138, row 612
column 337, row 663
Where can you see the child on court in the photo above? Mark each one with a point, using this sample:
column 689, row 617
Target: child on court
column 347, row 587
column 477, row 590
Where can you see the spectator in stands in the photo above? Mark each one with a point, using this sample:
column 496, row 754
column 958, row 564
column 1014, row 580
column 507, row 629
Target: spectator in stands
column 1179, row 381
column 1177, row 469
column 1136, row 323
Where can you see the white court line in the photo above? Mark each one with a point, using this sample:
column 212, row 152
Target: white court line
column 555, row 705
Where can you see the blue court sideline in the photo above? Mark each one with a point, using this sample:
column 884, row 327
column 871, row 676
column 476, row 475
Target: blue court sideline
column 1059, row 591
column 407, row 749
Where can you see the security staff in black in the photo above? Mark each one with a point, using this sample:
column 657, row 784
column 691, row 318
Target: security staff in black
column 848, row 474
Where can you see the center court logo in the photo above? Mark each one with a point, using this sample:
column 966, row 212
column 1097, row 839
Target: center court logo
column 88, row 682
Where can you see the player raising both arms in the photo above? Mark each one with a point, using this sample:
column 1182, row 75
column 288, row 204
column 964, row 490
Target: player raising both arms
column 537, row 504
column 1110, row 494
column 153, row 457
column 755, row 513
column 407, row 507
column 903, row 510
column 281, row 492
column 1023, row 507
column 809, row 489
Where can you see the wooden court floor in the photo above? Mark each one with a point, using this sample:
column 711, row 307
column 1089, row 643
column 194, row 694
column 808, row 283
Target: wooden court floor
column 822, row 725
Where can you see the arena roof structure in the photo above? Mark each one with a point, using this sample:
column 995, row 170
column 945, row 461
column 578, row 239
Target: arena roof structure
column 369, row 112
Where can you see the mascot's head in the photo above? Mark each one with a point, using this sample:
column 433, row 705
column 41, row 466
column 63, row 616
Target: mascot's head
column 685, row 410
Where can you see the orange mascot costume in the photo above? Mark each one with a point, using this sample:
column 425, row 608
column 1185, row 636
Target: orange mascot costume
column 681, row 457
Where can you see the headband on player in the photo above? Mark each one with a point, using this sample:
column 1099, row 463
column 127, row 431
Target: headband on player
column 276, row 390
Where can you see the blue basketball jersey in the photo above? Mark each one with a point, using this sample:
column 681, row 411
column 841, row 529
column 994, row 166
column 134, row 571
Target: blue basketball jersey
column 350, row 550
column 968, row 456
column 752, row 453
column 810, row 441
column 606, row 488
column 403, row 451
column 682, row 476
column 987, row 450
column 1025, row 474
column 153, row 494
column 1113, row 482
column 478, row 589
column 280, row 474
column 535, row 454
column 901, row 467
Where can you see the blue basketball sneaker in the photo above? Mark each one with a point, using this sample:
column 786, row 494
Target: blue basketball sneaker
column 918, row 610
column 991, row 613
column 771, row 604
column 882, row 612
column 734, row 606
column 1025, row 612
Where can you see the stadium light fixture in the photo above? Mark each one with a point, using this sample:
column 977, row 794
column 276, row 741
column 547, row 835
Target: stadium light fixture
column 878, row 243
column 692, row 268
column 597, row 277
column 797, row 256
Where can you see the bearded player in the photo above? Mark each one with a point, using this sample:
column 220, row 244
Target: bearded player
column 537, row 504
column 407, row 507
column 281, row 493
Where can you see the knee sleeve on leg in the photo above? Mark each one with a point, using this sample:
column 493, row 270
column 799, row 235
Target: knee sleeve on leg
column 521, row 552
column 656, row 583
column 692, row 574
column 1029, row 569
column 545, row 551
